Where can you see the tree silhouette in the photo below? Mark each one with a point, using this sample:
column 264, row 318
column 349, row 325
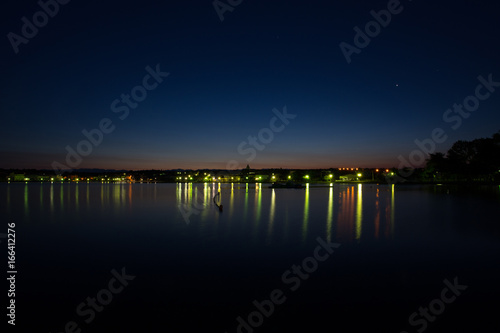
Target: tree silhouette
column 478, row 159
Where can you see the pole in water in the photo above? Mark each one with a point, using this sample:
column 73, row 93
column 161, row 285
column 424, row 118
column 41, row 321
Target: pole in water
column 220, row 206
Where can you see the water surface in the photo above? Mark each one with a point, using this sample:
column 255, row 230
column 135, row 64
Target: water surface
column 198, row 269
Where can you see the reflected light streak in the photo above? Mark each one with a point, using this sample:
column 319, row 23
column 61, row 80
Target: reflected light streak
column 377, row 213
column 202, row 205
column 329, row 217
column 359, row 211
column 26, row 206
column 306, row 213
column 231, row 202
column 178, row 194
column 392, row 210
column 195, row 199
column 52, row 198
column 271, row 215
column 206, row 193
column 258, row 194
column 245, row 209
column 346, row 213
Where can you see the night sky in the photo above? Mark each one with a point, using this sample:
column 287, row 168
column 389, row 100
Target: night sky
column 226, row 77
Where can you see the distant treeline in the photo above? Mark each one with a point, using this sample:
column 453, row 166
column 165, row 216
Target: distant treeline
column 476, row 160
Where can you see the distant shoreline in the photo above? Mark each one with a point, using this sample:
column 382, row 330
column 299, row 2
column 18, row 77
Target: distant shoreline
column 326, row 184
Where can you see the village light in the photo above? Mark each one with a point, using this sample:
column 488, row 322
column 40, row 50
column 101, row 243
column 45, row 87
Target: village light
column 359, row 175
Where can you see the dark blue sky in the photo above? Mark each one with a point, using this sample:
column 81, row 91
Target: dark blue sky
column 227, row 76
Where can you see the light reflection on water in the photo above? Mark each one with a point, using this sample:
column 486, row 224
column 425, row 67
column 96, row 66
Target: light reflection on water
column 305, row 219
column 342, row 212
column 266, row 210
column 359, row 211
column 329, row 216
column 271, row 215
column 259, row 210
column 402, row 237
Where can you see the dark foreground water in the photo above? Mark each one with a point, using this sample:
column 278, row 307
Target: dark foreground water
column 163, row 258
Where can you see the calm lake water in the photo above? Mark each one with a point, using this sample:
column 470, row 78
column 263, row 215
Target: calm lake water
column 198, row 269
